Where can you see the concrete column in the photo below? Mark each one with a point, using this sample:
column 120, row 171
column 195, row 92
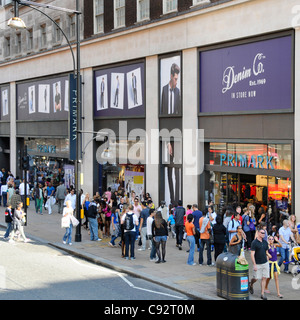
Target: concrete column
column 13, row 128
column 190, row 126
column 297, row 126
column 87, row 164
column 152, row 126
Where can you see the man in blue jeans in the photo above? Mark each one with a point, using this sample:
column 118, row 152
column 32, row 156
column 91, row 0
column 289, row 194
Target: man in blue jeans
column 130, row 221
column 179, row 224
column 204, row 225
column 92, row 217
column 285, row 234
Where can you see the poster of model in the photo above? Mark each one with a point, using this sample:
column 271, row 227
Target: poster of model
column 44, row 98
column 170, row 85
column 134, row 88
column 102, row 92
column 31, row 99
column 57, row 96
column 4, row 102
column 172, row 166
column 134, row 181
column 119, row 91
column 67, row 94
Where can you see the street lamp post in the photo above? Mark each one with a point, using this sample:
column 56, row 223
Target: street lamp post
column 18, row 23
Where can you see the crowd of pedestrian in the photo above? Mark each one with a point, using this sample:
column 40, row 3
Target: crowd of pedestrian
column 127, row 220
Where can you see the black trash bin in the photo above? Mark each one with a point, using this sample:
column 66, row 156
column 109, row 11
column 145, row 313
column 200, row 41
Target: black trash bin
column 232, row 277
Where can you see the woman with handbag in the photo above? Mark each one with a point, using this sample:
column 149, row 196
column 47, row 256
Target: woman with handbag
column 236, row 242
column 19, row 220
column 68, row 223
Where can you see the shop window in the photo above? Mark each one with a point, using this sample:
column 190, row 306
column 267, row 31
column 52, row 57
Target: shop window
column 255, row 156
column 216, row 149
column 282, row 154
column 122, row 166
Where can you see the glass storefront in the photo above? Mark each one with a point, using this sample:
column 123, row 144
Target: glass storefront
column 272, row 191
column 49, row 161
column 247, row 155
column 121, row 166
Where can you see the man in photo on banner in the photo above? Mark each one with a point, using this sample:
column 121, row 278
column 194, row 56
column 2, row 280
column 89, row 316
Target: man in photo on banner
column 171, row 99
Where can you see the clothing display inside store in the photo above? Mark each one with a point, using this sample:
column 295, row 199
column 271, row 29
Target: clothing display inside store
column 227, row 189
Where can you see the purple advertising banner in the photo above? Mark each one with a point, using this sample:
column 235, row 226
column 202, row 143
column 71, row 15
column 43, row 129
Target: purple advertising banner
column 248, row 77
column 46, row 99
column 120, row 91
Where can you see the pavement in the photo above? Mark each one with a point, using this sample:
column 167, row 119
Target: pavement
column 197, row 282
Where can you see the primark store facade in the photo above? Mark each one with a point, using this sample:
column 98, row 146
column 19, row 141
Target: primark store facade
column 213, row 69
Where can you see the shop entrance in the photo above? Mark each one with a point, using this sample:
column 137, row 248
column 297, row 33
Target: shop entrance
column 272, row 193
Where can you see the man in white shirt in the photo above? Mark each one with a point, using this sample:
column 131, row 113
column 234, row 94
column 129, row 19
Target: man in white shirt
column 22, row 190
column 4, row 194
column 285, row 234
column 150, row 220
column 72, row 197
column 233, row 224
column 211, row 215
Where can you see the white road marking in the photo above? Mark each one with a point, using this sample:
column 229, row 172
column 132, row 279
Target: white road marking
column 124, row 279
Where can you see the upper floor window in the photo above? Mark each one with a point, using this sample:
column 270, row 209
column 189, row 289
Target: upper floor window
column 195, row 2
column 18, row 43
column 169, row 6
column 57, row 31
column 143, row 10
column 99, row 16
column 72, row 21
column 119, row 10
column 7, row 46
column 29, row 39
column 43, row 35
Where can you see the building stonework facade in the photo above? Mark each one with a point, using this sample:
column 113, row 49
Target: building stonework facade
column 127, row 51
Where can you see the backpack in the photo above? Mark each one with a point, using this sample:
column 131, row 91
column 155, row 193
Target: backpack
column 128, row 222
column 92, row 211
column 8, row 217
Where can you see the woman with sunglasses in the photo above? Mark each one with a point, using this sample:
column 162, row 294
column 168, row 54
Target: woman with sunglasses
column 274, row 268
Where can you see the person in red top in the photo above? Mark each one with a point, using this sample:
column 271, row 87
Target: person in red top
column 190, row 232
column 205, row 227
column 238, row 210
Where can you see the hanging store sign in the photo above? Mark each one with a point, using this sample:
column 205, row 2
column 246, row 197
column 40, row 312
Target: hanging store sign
column 73, row 117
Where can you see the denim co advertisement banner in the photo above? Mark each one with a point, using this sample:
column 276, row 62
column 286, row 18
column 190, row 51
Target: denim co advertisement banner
column 120, row 91
column 46, row 99
column 248, row 77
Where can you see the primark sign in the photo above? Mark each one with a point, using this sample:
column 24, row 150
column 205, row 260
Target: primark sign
column 244, row 161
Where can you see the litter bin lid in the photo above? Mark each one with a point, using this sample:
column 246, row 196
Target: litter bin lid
column 228, row 261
